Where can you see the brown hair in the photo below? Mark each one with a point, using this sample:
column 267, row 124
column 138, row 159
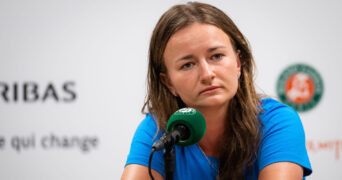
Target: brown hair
column 242, row 133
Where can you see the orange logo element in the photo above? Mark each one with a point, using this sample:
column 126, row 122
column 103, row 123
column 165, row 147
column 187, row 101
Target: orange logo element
column 300, row 88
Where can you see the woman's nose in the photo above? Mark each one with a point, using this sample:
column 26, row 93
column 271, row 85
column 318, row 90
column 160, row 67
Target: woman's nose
column 206, row 72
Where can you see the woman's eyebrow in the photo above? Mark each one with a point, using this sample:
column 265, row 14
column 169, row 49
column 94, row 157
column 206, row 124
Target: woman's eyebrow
column 214, row 48
column 190, row 56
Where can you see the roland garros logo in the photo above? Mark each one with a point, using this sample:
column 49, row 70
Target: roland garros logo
column 187, row 110
column 300, row 86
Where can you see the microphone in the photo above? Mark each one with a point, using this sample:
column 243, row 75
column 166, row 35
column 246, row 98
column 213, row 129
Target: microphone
column 185, row 127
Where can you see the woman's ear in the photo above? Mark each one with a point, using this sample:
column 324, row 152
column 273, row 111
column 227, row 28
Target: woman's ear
column 166, row 81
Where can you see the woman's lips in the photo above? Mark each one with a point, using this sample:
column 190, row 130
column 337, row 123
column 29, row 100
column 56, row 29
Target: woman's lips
column 209, row 89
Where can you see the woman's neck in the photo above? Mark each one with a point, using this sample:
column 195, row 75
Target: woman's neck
column 215, row 122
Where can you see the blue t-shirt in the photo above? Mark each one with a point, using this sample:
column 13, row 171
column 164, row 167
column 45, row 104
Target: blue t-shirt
column 283, row 139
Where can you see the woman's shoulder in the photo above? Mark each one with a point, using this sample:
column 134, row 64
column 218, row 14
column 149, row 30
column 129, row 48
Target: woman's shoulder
column 149, row 120
column 270, row 104
column 281, row 125
column 275, row 112
column 147, row 127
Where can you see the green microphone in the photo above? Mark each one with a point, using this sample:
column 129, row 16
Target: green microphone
column 185, row 127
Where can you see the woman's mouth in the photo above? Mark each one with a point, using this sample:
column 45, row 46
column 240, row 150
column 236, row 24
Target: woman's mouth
column 210, row 89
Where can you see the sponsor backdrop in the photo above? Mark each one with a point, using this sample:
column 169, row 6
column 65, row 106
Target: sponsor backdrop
column 72, row 79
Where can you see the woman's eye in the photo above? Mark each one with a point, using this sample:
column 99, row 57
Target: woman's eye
column 217, row 56
column 187, row 65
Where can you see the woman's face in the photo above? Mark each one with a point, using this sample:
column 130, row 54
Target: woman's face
column 202, row 67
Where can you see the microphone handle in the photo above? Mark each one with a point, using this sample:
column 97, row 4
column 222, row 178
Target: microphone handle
column 167, row 140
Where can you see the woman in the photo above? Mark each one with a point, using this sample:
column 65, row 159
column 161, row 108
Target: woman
column 198, row 58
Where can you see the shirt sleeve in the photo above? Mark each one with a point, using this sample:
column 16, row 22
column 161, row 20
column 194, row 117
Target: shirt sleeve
column 283, row 137
column 141, row 146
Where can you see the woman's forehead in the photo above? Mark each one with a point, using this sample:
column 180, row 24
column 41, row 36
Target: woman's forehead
column 197, row 36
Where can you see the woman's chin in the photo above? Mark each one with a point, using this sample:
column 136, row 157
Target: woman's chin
column 213, row 102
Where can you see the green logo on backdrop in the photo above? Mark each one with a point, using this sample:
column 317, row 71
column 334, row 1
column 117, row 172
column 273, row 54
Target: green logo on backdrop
column 300, row 86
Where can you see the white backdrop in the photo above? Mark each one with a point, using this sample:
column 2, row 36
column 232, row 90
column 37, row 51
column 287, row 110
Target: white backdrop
column 72, row 79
